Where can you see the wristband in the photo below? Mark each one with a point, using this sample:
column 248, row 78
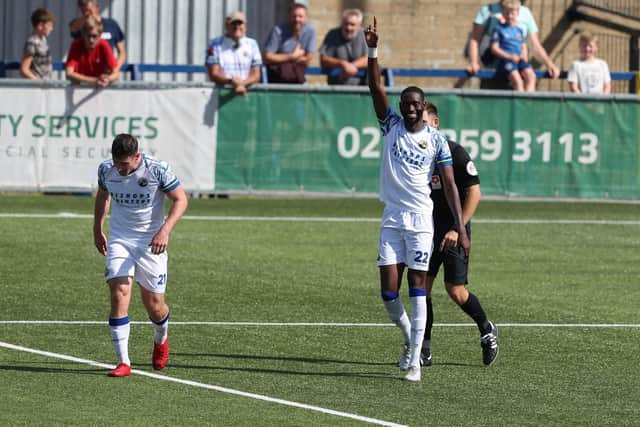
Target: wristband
column 373, row 52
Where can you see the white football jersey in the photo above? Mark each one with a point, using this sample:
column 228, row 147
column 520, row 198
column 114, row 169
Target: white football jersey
column 137, row 200
column 408, row 161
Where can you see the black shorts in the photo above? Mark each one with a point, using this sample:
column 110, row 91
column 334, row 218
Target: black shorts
column 456, row 264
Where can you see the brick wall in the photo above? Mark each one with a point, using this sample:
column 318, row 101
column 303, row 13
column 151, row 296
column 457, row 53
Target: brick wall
column 432, row 34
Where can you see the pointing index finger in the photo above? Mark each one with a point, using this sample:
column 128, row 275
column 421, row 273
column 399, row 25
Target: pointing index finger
column 375, row 23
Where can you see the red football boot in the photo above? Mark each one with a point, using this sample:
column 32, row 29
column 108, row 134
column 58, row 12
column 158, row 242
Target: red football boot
column 160, row 355
column 122, row 370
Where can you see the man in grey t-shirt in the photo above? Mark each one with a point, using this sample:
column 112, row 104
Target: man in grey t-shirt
column 343, row 54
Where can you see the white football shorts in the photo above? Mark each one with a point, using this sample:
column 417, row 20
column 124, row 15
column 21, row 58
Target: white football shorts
column 405, row 238
column 136, row 260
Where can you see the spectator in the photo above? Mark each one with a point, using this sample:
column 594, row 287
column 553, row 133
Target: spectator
column 507, row 44
column 36, row 60
column 290, row 47
column 111, row 31
column 90, row 58
column 344, row 51
column 589, row 74
column 234, row 58
column 483, row 25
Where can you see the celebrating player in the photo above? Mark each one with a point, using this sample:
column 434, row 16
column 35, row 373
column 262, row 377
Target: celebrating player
column 410, row 153
column 135, row 185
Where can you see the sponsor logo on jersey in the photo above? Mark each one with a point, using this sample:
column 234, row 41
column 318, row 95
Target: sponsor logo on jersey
column 143, row 182
column 422, row 144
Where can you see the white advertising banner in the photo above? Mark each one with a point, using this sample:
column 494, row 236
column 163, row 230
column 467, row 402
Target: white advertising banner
column 54, row 138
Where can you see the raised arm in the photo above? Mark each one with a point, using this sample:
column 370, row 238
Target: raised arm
column 380, row 101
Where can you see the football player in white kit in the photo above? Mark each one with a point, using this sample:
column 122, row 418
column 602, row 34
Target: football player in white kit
column 410, row 152
column 135, row 185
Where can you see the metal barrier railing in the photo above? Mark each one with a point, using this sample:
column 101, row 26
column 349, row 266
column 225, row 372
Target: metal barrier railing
column 389, row 74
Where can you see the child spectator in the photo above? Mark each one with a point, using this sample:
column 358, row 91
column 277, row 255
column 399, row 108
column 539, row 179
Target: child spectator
column 508, row 45
column 90, row 57
column 589, row 74
column 36, row 60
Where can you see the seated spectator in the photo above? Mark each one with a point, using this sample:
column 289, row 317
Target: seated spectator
column 111, row 31
column 36, row 60
column 90, row 58
column 483, row 25
column 589, row 74
column 343, row 53
column 290, row 47
column 233, row 58
column 507, row 44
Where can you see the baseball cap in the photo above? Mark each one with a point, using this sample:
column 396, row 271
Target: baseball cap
column 236, row 16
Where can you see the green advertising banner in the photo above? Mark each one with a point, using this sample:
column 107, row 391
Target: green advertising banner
column 329, row 141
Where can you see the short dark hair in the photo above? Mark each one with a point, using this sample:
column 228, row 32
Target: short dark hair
column 296, row 5
column 124, row 145
column 411, row 89
column 85, row 2
column 431, row 108
column 41, row 15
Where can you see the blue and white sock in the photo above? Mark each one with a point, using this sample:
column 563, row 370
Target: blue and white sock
column 397, row 313
column 418, row 298
column 161, row 329
column 120, row 329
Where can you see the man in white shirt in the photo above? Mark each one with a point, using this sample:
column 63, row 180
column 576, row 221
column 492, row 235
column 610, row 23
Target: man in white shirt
column 233, row 58
column 134, row 185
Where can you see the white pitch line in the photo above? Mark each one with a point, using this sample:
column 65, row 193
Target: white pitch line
column 203, row 385
column 322, row 324
column 69, row 215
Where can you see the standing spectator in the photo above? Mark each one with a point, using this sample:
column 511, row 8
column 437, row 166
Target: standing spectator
column 483, row 25
column 36, row 59
column 452, row 258
column 134, row 185
column 344, row 51
column 111, row 31
column 507, row 44
column 411, row 151
column 290, row 47
column 90, row 58
column 589, row 74
column 233, row 58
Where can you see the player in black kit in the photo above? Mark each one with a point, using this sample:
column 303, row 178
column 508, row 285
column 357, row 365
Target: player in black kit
column 450, row 255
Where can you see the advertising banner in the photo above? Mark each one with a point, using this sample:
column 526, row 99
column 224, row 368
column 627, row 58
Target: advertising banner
column 54, row 138
column 329, row 141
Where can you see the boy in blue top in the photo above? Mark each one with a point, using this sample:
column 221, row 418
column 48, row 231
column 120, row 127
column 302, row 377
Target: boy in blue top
column 508, row 45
